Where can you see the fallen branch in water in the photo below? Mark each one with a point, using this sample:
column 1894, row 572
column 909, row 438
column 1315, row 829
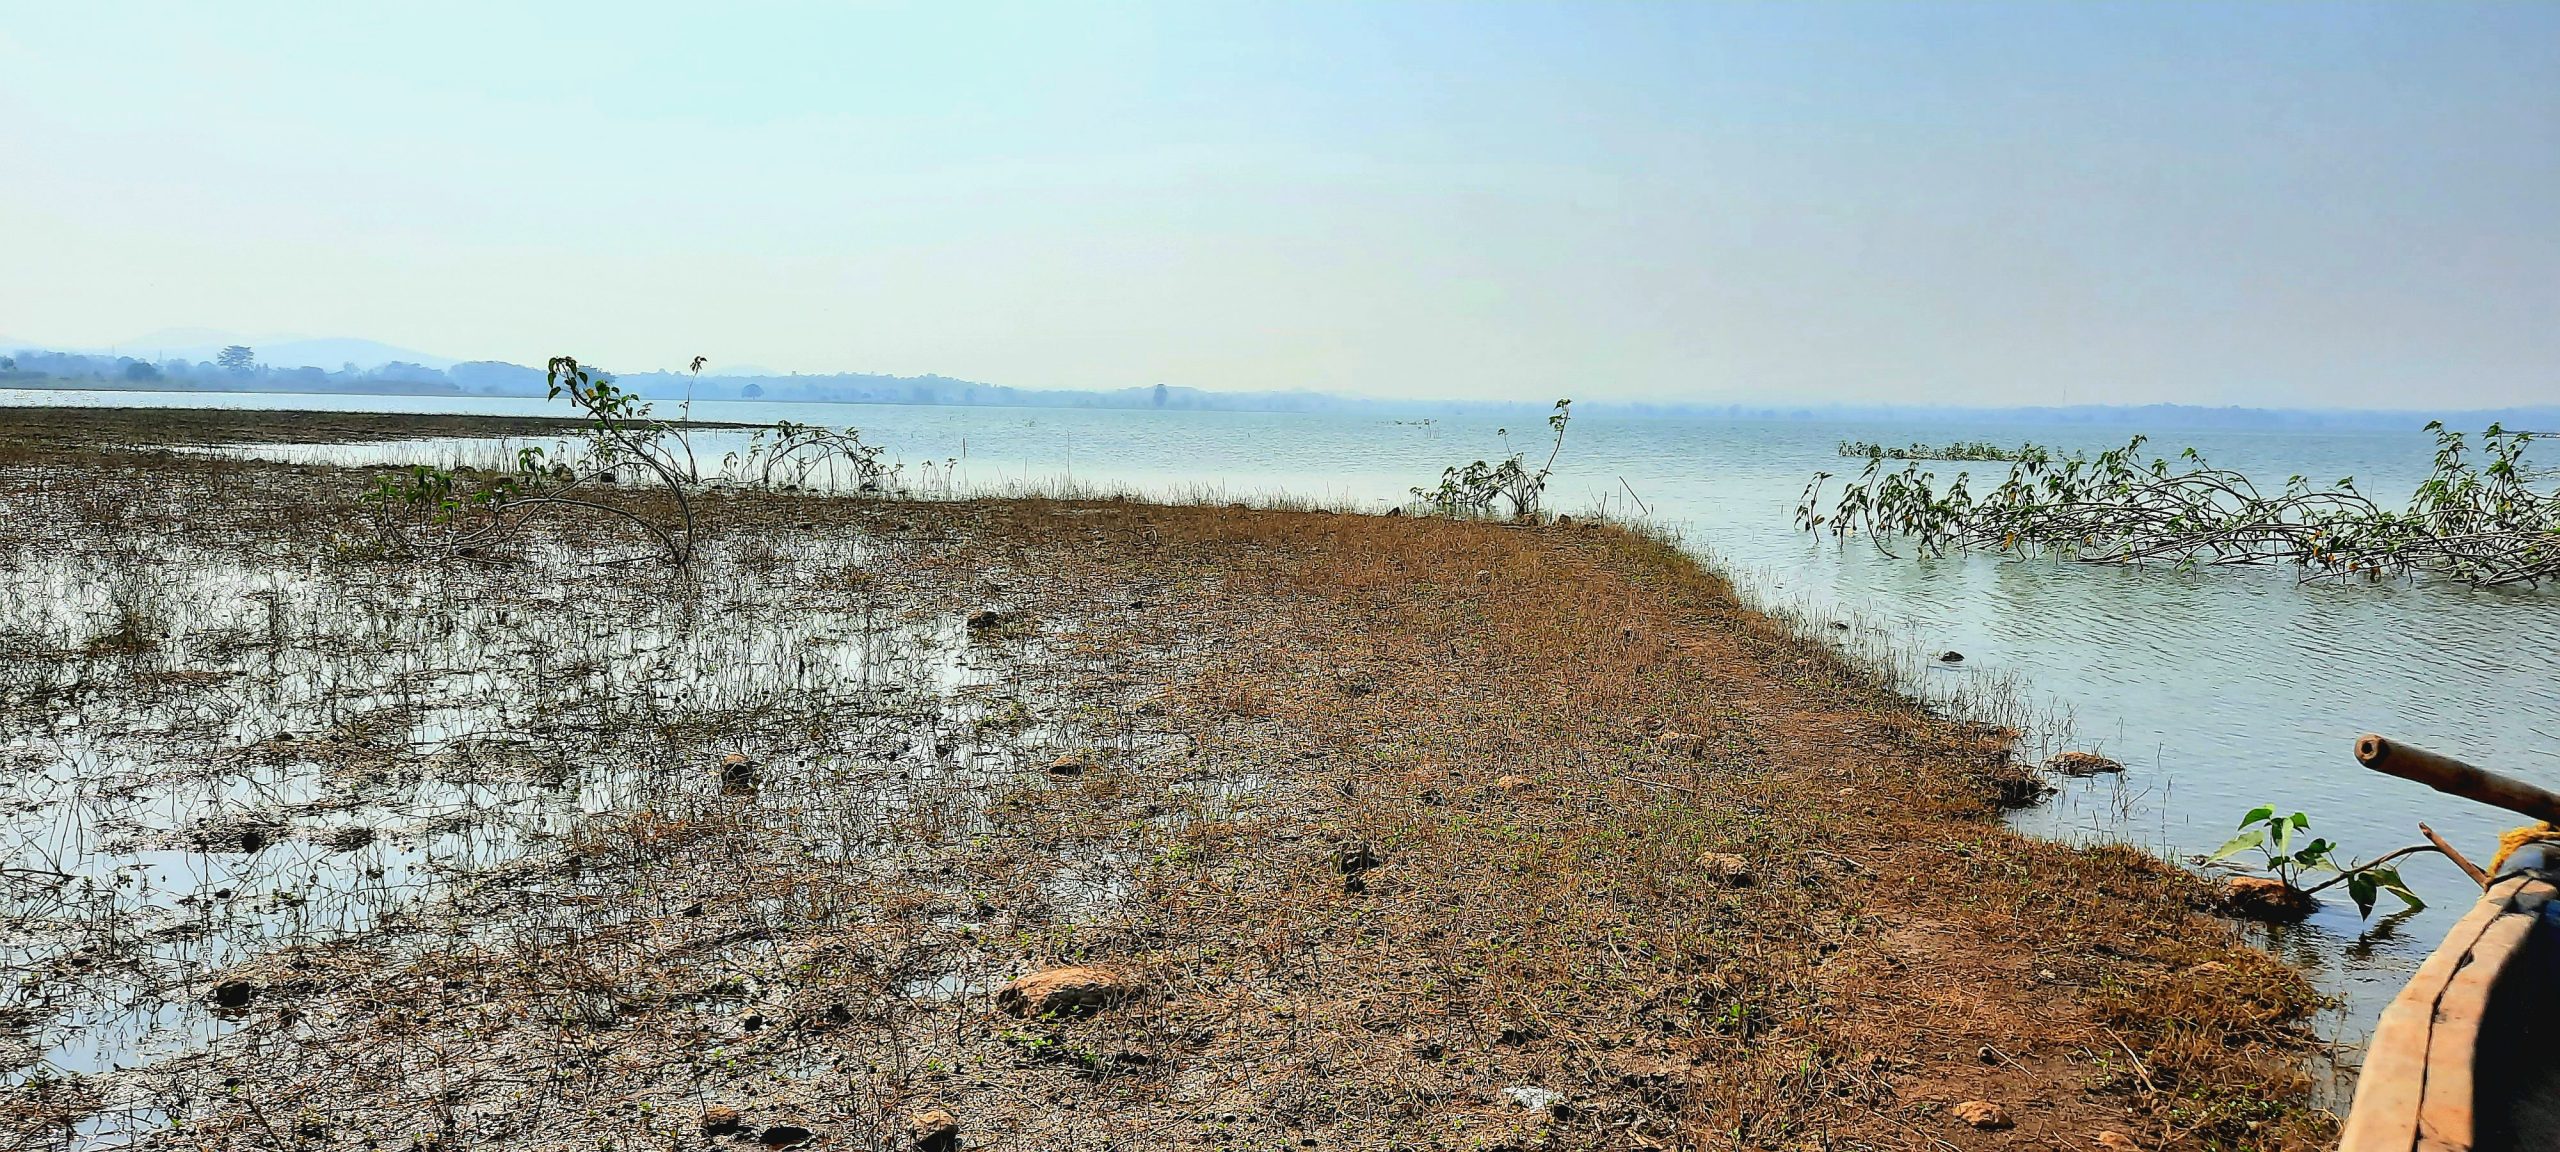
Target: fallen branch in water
column 2482, row 524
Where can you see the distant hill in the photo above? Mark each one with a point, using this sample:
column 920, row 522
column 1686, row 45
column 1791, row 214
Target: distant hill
column 182, row 360
column 331, row 353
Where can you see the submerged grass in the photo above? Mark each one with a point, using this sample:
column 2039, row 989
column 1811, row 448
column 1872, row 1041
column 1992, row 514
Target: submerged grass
column 1413, row 833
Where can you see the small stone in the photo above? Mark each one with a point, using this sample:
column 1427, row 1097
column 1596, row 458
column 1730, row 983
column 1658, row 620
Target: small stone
column 721, row 1120
column 1515, row 784
column 2082, row 764
column 1733, row 870
column 2266, row 898
column 1982, row 1114
column 1061, row 991
column 2116, row 1142
column 1532, row 1097
column 933, row 1130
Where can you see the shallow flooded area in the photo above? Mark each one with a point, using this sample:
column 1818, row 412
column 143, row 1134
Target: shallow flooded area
column 227, row 742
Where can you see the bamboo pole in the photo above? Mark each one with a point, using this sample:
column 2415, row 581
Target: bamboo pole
column 2459, row 860
column 2446, row 774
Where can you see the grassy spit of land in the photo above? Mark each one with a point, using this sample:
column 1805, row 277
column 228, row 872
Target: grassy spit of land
column 1402, row 834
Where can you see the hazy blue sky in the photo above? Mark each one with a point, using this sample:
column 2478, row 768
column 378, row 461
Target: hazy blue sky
column 2300, row 204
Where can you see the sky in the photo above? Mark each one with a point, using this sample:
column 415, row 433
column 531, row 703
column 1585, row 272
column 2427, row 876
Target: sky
column 2286, row 205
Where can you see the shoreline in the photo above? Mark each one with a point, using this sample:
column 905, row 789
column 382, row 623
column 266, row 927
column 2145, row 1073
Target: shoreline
column 71, row 426
column 1376, row 822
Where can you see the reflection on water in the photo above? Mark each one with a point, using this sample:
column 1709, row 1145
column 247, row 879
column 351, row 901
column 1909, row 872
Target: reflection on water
column 208, row 757
column 2218, row 690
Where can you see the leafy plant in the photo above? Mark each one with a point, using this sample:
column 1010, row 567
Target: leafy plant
column 2289, row 853
column 622, row 439
column 787, row 454
column 2480, row 523
column 1474, row 489
column 1963, row 450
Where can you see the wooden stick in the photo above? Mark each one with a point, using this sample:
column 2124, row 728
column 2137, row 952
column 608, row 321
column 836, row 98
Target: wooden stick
column 2446, row 774
column 2459, row 860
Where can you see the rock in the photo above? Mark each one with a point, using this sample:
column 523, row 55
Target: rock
column 1533, row 1098
column 2116, row 1142
column 2265, row 898
column 786, row 1136
column 1982, row 1114
column 1515, row 784
column 1733, row 870
column 933, row 1130
column 2082, row 764
column 1950, row 656
column 233, row 994
column 721, row 1120
column 2013, row 785
column 991, row 620
column 1061, row 991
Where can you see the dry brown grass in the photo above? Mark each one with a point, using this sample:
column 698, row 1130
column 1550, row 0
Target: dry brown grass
column 1260, row 697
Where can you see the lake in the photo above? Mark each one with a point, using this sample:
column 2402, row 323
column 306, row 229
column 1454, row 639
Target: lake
column 2218, row 690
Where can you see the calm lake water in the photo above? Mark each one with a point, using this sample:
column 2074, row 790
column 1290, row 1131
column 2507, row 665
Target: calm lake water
column 2219, row 690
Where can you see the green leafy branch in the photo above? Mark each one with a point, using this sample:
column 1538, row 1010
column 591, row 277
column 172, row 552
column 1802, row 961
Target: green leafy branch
column 2289, row 853
column 2477, row 517
column 1474, row 489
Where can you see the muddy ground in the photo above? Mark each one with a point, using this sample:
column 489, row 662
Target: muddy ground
column 1376, row 832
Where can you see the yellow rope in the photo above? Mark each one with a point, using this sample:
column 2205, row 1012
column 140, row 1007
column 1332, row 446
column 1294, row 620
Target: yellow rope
column 2518, row 838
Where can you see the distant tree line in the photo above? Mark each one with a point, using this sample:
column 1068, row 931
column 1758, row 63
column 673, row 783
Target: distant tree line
column 237, row 369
